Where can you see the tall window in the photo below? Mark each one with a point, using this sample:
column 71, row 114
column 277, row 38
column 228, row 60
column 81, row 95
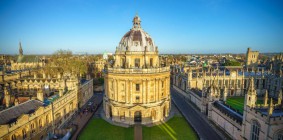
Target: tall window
column 13, row 137
column 255, row 130
column 40, row 123
column 123, row 63
column 137, row 87
column 24, row 133
column 137, row 62
column 47, row 119
column 32, row 128
column 151, row 62
column 278, row 135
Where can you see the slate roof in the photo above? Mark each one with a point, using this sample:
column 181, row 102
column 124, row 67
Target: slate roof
column 228, row 111
column 10, row 115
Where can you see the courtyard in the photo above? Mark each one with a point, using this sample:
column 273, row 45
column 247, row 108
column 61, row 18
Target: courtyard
column 237, row 103
column 175, row 128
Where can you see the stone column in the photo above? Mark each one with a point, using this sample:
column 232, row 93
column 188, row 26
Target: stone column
column 159, row 89
column 155, row 90
column 143, row 91
column 116, row 90
column 126, row 91
column 131, row 92
column 147, row 90
column 106, row 87
column 167, row 85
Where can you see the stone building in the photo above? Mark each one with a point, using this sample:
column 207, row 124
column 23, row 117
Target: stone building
column 137, row 87
column 252, row 58
column 26, row 62
column 33, row 119
column 51, row 102
column 257, row 122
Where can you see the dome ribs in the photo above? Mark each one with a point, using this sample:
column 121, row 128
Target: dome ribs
column 137, row 36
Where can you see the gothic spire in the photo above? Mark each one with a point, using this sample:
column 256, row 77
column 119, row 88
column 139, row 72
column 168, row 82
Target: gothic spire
column 251, row 89
column 271, row 108
column 20, row 49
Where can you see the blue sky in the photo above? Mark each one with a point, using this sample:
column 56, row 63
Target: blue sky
column 96, row 26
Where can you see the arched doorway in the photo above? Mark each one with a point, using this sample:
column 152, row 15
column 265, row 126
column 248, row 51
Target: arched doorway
column 138, row 117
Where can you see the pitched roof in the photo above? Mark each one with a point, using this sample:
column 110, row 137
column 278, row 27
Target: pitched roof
column 11, row 114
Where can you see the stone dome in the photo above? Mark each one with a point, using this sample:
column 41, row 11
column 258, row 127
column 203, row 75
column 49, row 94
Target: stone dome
column 136, row 39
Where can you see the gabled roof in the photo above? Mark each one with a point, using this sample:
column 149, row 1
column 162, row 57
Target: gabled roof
column 10, row 115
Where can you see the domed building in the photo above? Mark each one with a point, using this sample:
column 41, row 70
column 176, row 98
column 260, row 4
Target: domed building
column 137, row 87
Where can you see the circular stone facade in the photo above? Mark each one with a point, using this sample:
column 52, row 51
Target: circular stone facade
column 137, row 87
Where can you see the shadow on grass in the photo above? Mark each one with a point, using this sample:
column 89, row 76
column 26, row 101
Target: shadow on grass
column 176, row 128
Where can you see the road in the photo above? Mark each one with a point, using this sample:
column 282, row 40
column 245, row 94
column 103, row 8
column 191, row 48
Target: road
column 202, row 127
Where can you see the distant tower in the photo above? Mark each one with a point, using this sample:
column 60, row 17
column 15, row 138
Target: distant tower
column 250, row 98
column 20, row 49
column 252, row 58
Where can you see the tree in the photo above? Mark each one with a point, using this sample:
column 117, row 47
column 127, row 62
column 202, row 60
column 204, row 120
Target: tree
column 62, row 61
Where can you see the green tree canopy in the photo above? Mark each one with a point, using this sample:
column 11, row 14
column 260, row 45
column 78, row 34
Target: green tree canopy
column 232, row 63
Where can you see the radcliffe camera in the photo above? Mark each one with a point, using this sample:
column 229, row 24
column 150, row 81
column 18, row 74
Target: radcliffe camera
column 141, row 70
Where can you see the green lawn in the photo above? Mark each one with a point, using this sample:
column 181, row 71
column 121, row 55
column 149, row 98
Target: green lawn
column 176, row 128
column 238, row 103
column 98, row 129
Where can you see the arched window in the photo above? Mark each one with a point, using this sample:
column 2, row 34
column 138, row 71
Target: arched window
column 255, row 130
column 71, row 107
column 13, row 137
column 24, row 133
column 47, row 119
column 32, row 127
column 278, row 135
column 40, row 123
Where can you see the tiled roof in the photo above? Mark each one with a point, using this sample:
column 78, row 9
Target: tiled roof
column 11, row 114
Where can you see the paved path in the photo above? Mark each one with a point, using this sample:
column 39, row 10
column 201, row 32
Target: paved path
column 138, row 132
column 202, row 127
column 82, row 120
